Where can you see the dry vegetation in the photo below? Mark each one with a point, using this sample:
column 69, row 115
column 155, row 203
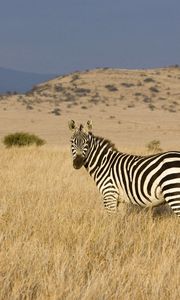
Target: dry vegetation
column 154, row 89
column 130, row 107
column 57, row 242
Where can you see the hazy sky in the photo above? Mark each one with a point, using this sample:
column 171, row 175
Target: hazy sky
column 61, row 36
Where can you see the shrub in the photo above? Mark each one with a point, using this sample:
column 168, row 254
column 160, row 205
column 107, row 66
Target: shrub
column 152, row 106
column 138, row 94
column 58, row 88
column 75, row 77
column 111, row 87
column 147, row 99
column 154, row 146
column 82, row 91
column 154, row 89
column 149, row 79
column 126, row 84
column 56, row 111
column 22, row 139
column 30, row 107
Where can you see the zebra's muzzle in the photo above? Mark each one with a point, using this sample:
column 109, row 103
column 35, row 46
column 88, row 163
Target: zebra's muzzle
column 78, row 162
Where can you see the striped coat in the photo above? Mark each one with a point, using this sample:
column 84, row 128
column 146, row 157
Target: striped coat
column 146, row 181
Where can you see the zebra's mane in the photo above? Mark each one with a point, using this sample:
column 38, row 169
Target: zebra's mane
column 106, row 141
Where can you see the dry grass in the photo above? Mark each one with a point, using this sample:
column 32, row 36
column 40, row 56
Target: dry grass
column 57, row 242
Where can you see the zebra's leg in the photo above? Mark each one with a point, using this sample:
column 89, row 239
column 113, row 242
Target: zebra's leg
column 161, row 210
column 173, row 200
column 110, row 200
column 175, row 205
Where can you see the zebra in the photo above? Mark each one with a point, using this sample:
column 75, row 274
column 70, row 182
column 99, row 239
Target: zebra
column 146, row 181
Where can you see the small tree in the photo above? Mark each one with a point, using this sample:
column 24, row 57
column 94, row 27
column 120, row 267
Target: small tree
column 154, row 146
column 22, row 139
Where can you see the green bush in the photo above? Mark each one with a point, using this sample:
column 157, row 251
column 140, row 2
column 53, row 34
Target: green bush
column 154, row 146
column 111, row 87
column 22, row 139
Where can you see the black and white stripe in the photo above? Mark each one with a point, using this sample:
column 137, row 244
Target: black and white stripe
column 146, row 181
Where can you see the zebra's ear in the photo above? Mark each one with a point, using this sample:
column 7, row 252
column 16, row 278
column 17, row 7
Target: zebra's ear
column 89, row 125
column 72, row 125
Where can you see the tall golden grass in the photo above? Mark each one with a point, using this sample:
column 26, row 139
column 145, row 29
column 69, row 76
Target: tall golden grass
column 57, row 242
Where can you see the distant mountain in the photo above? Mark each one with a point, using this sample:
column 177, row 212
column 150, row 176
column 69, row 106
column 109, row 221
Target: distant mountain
column 19, row 81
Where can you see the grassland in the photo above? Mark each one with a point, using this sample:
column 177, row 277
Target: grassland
column 57, row 242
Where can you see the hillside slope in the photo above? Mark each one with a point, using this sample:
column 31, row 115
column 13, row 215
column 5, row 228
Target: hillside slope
column 128, row 106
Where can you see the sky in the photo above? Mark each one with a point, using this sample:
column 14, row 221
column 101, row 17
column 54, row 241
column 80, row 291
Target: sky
column 62, row 36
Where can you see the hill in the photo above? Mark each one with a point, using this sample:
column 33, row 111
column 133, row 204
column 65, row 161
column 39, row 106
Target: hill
column 19, row 81
column 131, row 107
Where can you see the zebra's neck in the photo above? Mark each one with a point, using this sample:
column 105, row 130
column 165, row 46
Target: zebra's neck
column 100, row 150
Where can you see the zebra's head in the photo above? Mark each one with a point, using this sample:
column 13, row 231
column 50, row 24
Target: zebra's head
column 80, row 142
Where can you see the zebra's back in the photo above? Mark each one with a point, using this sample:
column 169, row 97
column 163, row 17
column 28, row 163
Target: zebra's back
column 149, row 180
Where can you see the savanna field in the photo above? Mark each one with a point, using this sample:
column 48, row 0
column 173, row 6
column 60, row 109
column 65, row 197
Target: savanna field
column 57, row 242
